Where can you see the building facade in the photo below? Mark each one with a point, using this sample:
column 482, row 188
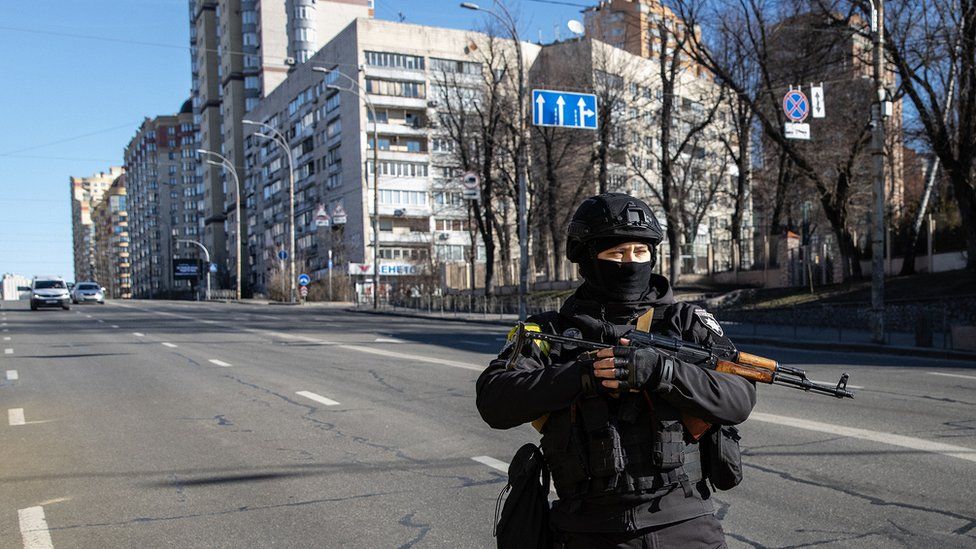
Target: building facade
column 166, row 201
column 240, row 51
column 422, row 220
column 86, row 192
column 111, row 221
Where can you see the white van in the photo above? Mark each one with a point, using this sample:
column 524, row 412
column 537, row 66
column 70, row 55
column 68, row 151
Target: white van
column 49, row 291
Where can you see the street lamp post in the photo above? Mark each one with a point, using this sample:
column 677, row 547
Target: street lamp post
column 282, row 141
column 359, row 92
column 229, row 166
column 206, row 257
column 508, row 22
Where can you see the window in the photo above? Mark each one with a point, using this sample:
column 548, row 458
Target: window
column 398, row 88
column 450, row 225
column 382, row 117
column 442, row 144
column 399, row 169
column 405, row 198
column 450, row 252
column 451, row 65
column 334, row 128
column 397, row 60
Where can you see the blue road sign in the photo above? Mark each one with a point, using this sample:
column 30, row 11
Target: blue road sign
column 304, row 279
column 796, row 106
column 282, row 255
column 213, row 267
column 564, row 109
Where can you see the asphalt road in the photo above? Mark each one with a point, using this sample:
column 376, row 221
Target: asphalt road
column 148, row 424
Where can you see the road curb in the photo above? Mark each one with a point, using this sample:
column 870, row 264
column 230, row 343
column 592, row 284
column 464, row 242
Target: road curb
column 745, row 340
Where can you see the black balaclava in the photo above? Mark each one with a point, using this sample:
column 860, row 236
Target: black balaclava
column 613, row 280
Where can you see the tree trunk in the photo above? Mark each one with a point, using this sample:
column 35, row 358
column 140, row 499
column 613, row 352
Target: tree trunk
column 966, row 201
column 674, row 252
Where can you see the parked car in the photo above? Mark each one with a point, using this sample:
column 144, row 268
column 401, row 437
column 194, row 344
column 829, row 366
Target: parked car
column 49, row 291
column 87, row 291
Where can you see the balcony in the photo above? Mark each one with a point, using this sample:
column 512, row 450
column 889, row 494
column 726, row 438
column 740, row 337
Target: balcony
column 399, row 102
column 387, row 237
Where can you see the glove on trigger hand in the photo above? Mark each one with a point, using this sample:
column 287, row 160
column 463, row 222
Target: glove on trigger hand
column 642, row 369
column 592, row 385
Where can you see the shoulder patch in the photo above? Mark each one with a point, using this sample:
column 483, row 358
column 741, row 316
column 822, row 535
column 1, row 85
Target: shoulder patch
column 709, row 321
column 529, row 327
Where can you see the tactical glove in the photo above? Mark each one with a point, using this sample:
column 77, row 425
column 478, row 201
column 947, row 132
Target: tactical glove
column 642, row 369
column 592, row 385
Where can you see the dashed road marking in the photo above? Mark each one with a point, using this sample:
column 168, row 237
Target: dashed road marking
column 12, row 375
column 388, row 340
column 6, row 338
column 952, row 375
column 168, row 344
column 101, row 321
column 33, row 528
column 115, row 325
column 923, row 445
column 16, row 416
column 219, row 362
column 317, row 398
column 492, row 462
column 8, row 351
column 138, row 334
column 87, row 316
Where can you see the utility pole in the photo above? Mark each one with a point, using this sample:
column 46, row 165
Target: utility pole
column 879, row 110
column 226, row 164
column 206, row 257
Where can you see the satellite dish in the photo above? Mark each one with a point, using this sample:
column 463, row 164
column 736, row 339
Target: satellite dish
column 575, row 27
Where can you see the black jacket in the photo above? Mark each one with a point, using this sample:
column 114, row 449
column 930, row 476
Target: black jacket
column 546, row 382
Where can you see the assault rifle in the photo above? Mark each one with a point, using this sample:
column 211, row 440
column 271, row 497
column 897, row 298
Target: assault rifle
column 752, row 367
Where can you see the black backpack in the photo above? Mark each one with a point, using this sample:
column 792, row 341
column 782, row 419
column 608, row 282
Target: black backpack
column 524, row 520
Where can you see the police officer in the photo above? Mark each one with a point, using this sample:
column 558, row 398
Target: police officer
column 620, row 427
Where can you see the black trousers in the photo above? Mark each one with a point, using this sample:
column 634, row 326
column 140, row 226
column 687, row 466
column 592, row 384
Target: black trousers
column 697, row 533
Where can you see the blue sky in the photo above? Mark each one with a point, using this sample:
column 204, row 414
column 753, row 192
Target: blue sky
column 71, row 103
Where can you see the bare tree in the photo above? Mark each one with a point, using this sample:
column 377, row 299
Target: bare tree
column 932, row 45
column 834, row 168
column 471, row 110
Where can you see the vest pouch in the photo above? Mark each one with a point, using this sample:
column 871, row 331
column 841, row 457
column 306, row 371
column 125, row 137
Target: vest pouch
column 603, row 452
column 562, row 455
column 721, row 458
column 668, row 447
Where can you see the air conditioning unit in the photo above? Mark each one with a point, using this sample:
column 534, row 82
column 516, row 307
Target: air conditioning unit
column 290, row 61
column 443, row 236
column 432, row 104
column 399, row 213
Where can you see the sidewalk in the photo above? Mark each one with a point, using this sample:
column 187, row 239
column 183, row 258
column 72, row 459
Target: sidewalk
column 806, row 337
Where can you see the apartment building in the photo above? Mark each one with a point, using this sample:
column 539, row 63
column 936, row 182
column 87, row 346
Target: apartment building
column 422, row 220
column 240, row 51
column 86, row 192
column 111, row 221
column 166, row 201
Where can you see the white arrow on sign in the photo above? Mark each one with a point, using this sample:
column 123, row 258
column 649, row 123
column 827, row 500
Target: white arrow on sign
column 559, row 113
column 541, row 102
column 583, row 112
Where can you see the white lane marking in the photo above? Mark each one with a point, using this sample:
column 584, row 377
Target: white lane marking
column 168, row 344
column 388, row 340
column 952, row 375
column 219, row 362
column 101, row 321
column 115, row 325
column 138, row 334
column 87, row 316
column 6, row 338
column 33, row 528
column 473, row 342
column 317, row 398
column 16, row 416
column 8, row 351
column 12, row 375
column 492, row 462
column 369, row 350
column 950, row 450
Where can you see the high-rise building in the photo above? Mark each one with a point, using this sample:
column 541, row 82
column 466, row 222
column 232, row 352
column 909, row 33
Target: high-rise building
column 111, row 222
column 86, row 192
column 241, row 50
column 165, row 201
column 422, row 219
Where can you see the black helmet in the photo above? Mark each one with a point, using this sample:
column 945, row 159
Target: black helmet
column 607, row 219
